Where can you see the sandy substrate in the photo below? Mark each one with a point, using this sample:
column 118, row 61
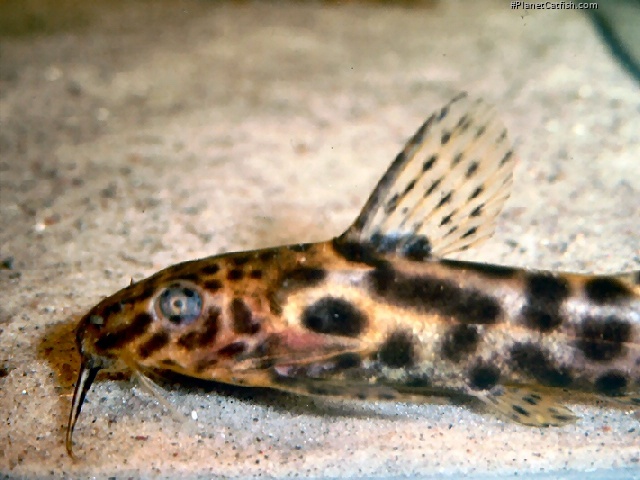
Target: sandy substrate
column 136, row 135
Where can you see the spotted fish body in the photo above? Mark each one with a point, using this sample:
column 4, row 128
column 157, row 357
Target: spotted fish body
column 379, row 312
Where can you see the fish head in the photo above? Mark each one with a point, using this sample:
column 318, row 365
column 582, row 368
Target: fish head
column 179, row 319
column 138, row 320
column 219, row 318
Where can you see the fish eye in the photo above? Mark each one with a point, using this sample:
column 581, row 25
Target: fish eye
column 180, row 304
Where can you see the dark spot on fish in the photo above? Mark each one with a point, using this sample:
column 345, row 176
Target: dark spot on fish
column 267, row 351
column 445, row 199
column 205, row 363
column 255, row 274
column 520, row 410
column 463, row 123
column 268, row 255
column 398, row 350
column 122, row 336
column 157, row 341
column 303, row 277
column 211, row 325
column 493, row 271
column 410, row 186
column 421, row 381
column 417, row 248
column 300, row 247
column 476, row 212
column 210, row 269
column 392, row 204
column 190, row 277
column 561, row 417
column 532, row 399
column 476, row 193
column 612, row 383
column 348, row 360
column 446, row 136
column 480, row 131
column 113, row 309
column 602, row 338
column 444, row 111
column 470, row 232
column 235, row 274
column 168, row 363
column 473, row 168
column 545, row 293
column 456, row 159
column 334, row 316
column 543, row 318
column 606, row 290
column 147, row 292
column 205, row 335
column 356, row 252
column 428, row 164
column 436, row 183
column 212, row 285
column 232, row 349
column 385, row 243
column 432, row 294
column 242, row 318
column 532, row 360
column 506, row 158
column 445, row 220
column 240, row 260
column 412, row 247
column 483, row 376
column 460, row 341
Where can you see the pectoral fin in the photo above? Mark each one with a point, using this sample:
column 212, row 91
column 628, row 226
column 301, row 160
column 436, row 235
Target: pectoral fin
column 527, row 407
column 336, row 389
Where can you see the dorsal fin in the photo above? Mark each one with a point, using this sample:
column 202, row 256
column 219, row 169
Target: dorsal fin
column 444, row 191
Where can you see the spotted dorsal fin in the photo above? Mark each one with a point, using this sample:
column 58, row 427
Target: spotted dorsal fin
column 444, row 191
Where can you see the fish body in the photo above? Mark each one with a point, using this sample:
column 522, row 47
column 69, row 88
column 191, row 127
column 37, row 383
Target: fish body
column 380, row 312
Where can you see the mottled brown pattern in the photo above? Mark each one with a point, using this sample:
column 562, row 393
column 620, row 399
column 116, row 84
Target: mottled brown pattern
column 157, row 342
